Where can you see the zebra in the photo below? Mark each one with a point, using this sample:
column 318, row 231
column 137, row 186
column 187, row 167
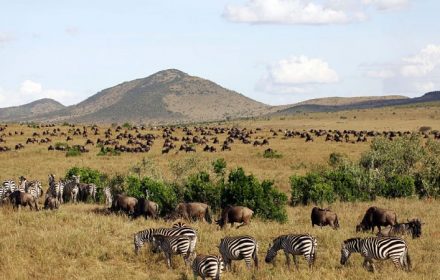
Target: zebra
column 174, row 245
column 22, row 186
column 144, row 236
column 295, row 244
column 238, row 248
column 7, row 188
column 108, row 196
column 34, row 188
column 56, row 189
column 208, row 266
column 71, row 188
column 379, row 248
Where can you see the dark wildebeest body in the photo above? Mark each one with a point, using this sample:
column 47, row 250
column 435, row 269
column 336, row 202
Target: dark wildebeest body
column 377, row 217
column 19, row 198
column 147, row 208
column 51, row 203
column 194, row 211
column 324, row 217
column 124, row 203
column 235, row 214
column 413, row 227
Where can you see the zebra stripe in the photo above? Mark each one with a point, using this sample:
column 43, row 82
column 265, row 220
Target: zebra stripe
column 34, row 188
column 377, row 248
column 56, row 189
column 144, row 236
column 208, row 266
column 174, row 245
column 294, row 244
column 71, row 189
column 7, row 186
column 238, row 248
column 108, row 196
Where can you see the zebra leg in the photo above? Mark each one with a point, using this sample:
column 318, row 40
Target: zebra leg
column 168, row 257
column 295, row 260
column 287, row 259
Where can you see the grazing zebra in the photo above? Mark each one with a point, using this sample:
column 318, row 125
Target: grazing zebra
column 238, row 248
column 144, row 236
column 378, row 248
column 108, row 196
column 295, row 244
column 208, row 266
column 56, row 189
column 22, row 186
column 174, row 245
column 71, row 188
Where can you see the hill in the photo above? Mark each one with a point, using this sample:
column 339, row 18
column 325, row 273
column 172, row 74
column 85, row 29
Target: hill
column 169, row 96
column 30, row 110
column 311, row 106
column 337, row 101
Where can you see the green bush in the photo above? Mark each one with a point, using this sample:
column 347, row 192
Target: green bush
column 87, row 175
column 262, row 198
column 127, row 125
column 158, row 191
column 301, row 188
column 73, row 152
column 108, row 151
column 219, row 166
column 200, row 188
column 398, row 186
column 269, row 153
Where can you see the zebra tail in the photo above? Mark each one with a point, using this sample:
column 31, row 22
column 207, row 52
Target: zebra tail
column 219, row 268
column 208, row 215
column 255, row 256
column 408, row 261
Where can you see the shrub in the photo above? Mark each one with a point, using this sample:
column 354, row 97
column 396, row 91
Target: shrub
column 262, row 198
column 301, row 188
column 73, row 152
column 269, row 153
column 87, row 175
column 398, row 186
column 108, row 151
column 219, row 166
column 200, row 188
column 127, row 125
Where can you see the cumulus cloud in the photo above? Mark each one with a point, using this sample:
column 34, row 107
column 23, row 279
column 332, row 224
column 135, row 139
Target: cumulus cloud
column 296, row 74
column 30, row 91
column 387, row 4
column 415, row 74
column 284, row 11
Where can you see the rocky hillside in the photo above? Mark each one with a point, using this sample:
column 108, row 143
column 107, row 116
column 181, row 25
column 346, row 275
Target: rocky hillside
column 169, row 96
column 30, row 110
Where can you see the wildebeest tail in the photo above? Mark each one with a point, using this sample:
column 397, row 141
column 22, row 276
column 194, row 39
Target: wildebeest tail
column 208, row 215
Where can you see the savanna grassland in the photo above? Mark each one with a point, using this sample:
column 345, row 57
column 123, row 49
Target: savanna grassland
column 85, row 242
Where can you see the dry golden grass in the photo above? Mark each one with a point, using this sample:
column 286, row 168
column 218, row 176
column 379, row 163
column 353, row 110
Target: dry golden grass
column 80, row 242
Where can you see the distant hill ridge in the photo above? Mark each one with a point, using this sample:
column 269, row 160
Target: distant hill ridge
column 172, row 96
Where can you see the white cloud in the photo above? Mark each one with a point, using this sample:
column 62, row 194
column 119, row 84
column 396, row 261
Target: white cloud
column 30, row 91
column 72, row 30
column 422, row 63
column 387, row 4
column 284, row 11
column 296, row 74
column 414, row 74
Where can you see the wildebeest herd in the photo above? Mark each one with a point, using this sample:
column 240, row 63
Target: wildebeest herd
column 140, row 139
column 181, row 239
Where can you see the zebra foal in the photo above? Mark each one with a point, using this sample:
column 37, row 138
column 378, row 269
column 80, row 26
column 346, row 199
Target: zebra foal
column 208, row 266
column 293, row 244
column 239, row 248
column 377, row 248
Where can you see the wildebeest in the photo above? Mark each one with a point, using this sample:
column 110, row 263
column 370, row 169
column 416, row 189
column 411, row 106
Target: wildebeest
column 194, row 211
column 147, row 208
column 377, row 217
column 19, row 198
column 124, row 203
column 324, row 217
column 235, row 214
column 51, row 203
column 413, row 227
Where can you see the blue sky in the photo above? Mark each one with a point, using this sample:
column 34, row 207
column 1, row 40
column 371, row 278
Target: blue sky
column 274, row 51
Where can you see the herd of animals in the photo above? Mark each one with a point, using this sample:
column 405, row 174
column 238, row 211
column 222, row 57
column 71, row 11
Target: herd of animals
column 140, row 139
column 181, row 239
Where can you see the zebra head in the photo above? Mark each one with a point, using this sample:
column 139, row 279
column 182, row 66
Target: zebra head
column 273, row 249
column 75, row 178
column 51, row 179
column 179, row 225
column 157, row 240
column 349, row 246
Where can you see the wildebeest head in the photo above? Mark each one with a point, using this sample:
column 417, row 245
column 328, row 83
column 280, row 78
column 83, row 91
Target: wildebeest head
column 220, row 222
column 362, row 227
column 416, row 228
